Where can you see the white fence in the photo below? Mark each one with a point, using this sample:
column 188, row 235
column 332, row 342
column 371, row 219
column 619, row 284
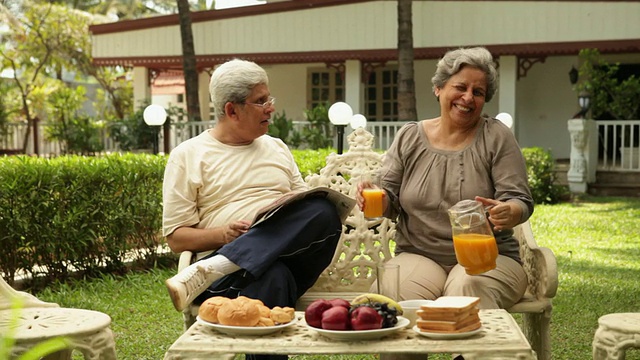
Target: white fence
column 383, row 132
column 619, row 145
column 619, row 141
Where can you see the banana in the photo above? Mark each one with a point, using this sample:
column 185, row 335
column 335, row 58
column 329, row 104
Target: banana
column 376, row 298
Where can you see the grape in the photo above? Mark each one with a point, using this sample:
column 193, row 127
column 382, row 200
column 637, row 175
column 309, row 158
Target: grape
column 389, row 315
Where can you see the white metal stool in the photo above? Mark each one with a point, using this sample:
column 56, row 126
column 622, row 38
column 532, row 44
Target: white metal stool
column 615, row 334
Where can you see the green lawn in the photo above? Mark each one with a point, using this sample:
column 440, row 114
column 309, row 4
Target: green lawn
column 596, row 242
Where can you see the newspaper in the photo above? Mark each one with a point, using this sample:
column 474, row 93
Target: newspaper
column 343, row 203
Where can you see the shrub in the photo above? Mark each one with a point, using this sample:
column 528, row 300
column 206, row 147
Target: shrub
column 542, row 176
column 311, row 161
column 281, row 127
column 319, row 133
column 78, row 135
column 77, row 132
column 82, row 213
column 132, row 133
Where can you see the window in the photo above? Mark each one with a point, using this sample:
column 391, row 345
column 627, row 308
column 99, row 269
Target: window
column 381, row 94
column 324, row 86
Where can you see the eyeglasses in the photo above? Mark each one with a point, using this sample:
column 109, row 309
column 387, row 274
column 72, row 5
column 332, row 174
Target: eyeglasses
column 265, row 104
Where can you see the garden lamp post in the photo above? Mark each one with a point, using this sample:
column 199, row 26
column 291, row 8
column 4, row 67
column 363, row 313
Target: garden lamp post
column 155, row 116
column 584, row 100
column 340, row 115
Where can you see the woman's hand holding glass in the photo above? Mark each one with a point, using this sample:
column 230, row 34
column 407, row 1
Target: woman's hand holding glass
column 371, row 198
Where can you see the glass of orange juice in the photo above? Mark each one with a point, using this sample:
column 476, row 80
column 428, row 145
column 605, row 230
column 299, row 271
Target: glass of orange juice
column 473, row 240
column 373, row 207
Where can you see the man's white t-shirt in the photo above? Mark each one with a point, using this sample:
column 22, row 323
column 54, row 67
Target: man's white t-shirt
column 209, row 184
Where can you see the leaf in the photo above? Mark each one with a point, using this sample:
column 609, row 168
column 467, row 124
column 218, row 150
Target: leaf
column 46, row 348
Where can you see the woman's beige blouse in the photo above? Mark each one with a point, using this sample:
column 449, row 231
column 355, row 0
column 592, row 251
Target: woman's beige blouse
column 423, row 183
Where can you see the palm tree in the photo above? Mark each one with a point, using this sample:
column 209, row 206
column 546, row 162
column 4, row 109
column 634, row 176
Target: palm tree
column 406, row 84
column 189, row 61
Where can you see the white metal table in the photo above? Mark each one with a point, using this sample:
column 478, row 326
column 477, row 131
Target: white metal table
column 501, row 338
column 87, row 331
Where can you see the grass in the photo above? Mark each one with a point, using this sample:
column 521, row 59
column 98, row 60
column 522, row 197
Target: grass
column 596, row 242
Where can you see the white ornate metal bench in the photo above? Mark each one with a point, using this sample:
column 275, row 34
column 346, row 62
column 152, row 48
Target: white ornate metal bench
column 365, row 243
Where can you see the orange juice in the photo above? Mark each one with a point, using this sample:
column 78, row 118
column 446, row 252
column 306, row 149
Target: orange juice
column 477, row 253
column 372, row 202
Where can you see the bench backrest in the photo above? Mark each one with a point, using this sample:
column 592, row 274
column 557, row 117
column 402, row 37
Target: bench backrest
column 364, row 243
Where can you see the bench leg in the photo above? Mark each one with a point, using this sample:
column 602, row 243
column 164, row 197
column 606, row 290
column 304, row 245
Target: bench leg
column 536, row 329
column 188, row 318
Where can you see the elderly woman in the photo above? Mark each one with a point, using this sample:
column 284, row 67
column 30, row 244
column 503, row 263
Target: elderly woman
column 435, row 163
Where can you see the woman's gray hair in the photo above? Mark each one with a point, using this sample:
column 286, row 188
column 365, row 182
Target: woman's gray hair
column 233, row 82
column 454, row 60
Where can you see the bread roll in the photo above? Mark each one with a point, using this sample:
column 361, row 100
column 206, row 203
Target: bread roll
column 209, row 308
column 281, row 315
column 265, row 321
column 264, row 311
column 239, row 312
column 256, row 301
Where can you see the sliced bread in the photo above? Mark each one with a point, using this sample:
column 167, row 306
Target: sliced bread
column 451, row 304
column 431, row 325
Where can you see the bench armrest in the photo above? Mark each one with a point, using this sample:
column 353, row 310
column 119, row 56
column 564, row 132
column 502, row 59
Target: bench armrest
column 186, row 258
column 539, row 264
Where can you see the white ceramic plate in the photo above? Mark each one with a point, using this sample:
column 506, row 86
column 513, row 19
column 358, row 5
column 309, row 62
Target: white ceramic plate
column 247, row 330
column 362, row 334
column 447, row 336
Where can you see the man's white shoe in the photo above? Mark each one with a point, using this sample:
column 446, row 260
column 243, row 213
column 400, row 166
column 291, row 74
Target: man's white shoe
column 185, row 286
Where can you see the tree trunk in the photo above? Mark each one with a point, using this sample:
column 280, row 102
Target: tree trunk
column 189, row 61
column 406, row 84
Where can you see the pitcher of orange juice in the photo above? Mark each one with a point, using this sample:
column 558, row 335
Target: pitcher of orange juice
column 473, row 240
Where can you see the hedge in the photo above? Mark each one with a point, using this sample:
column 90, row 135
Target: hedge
column 75, row 214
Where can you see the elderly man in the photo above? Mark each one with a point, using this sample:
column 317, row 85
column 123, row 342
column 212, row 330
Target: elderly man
column 215, row 183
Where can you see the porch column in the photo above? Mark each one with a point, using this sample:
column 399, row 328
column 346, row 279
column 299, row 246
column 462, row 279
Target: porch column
column 508, row 78
column 353, row 85
column 141, row 88
column 584, row 154
column 203, row 94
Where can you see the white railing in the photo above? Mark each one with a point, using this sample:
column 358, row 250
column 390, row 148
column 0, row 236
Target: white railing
column 619, row 145
column 619, row 141
column 182, row 131
column 383, row 132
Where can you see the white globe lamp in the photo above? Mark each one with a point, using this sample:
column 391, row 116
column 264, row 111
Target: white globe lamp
column 155, row 115
column 506, row 119
column 340, row 115
column 358, row 121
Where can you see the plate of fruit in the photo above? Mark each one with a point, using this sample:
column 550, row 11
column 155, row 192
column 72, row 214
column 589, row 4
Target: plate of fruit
column 367, row 317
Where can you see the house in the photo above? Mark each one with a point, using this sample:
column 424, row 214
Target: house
column 345, row 50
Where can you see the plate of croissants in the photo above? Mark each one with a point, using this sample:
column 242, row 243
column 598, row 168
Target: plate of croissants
column 244, row 316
